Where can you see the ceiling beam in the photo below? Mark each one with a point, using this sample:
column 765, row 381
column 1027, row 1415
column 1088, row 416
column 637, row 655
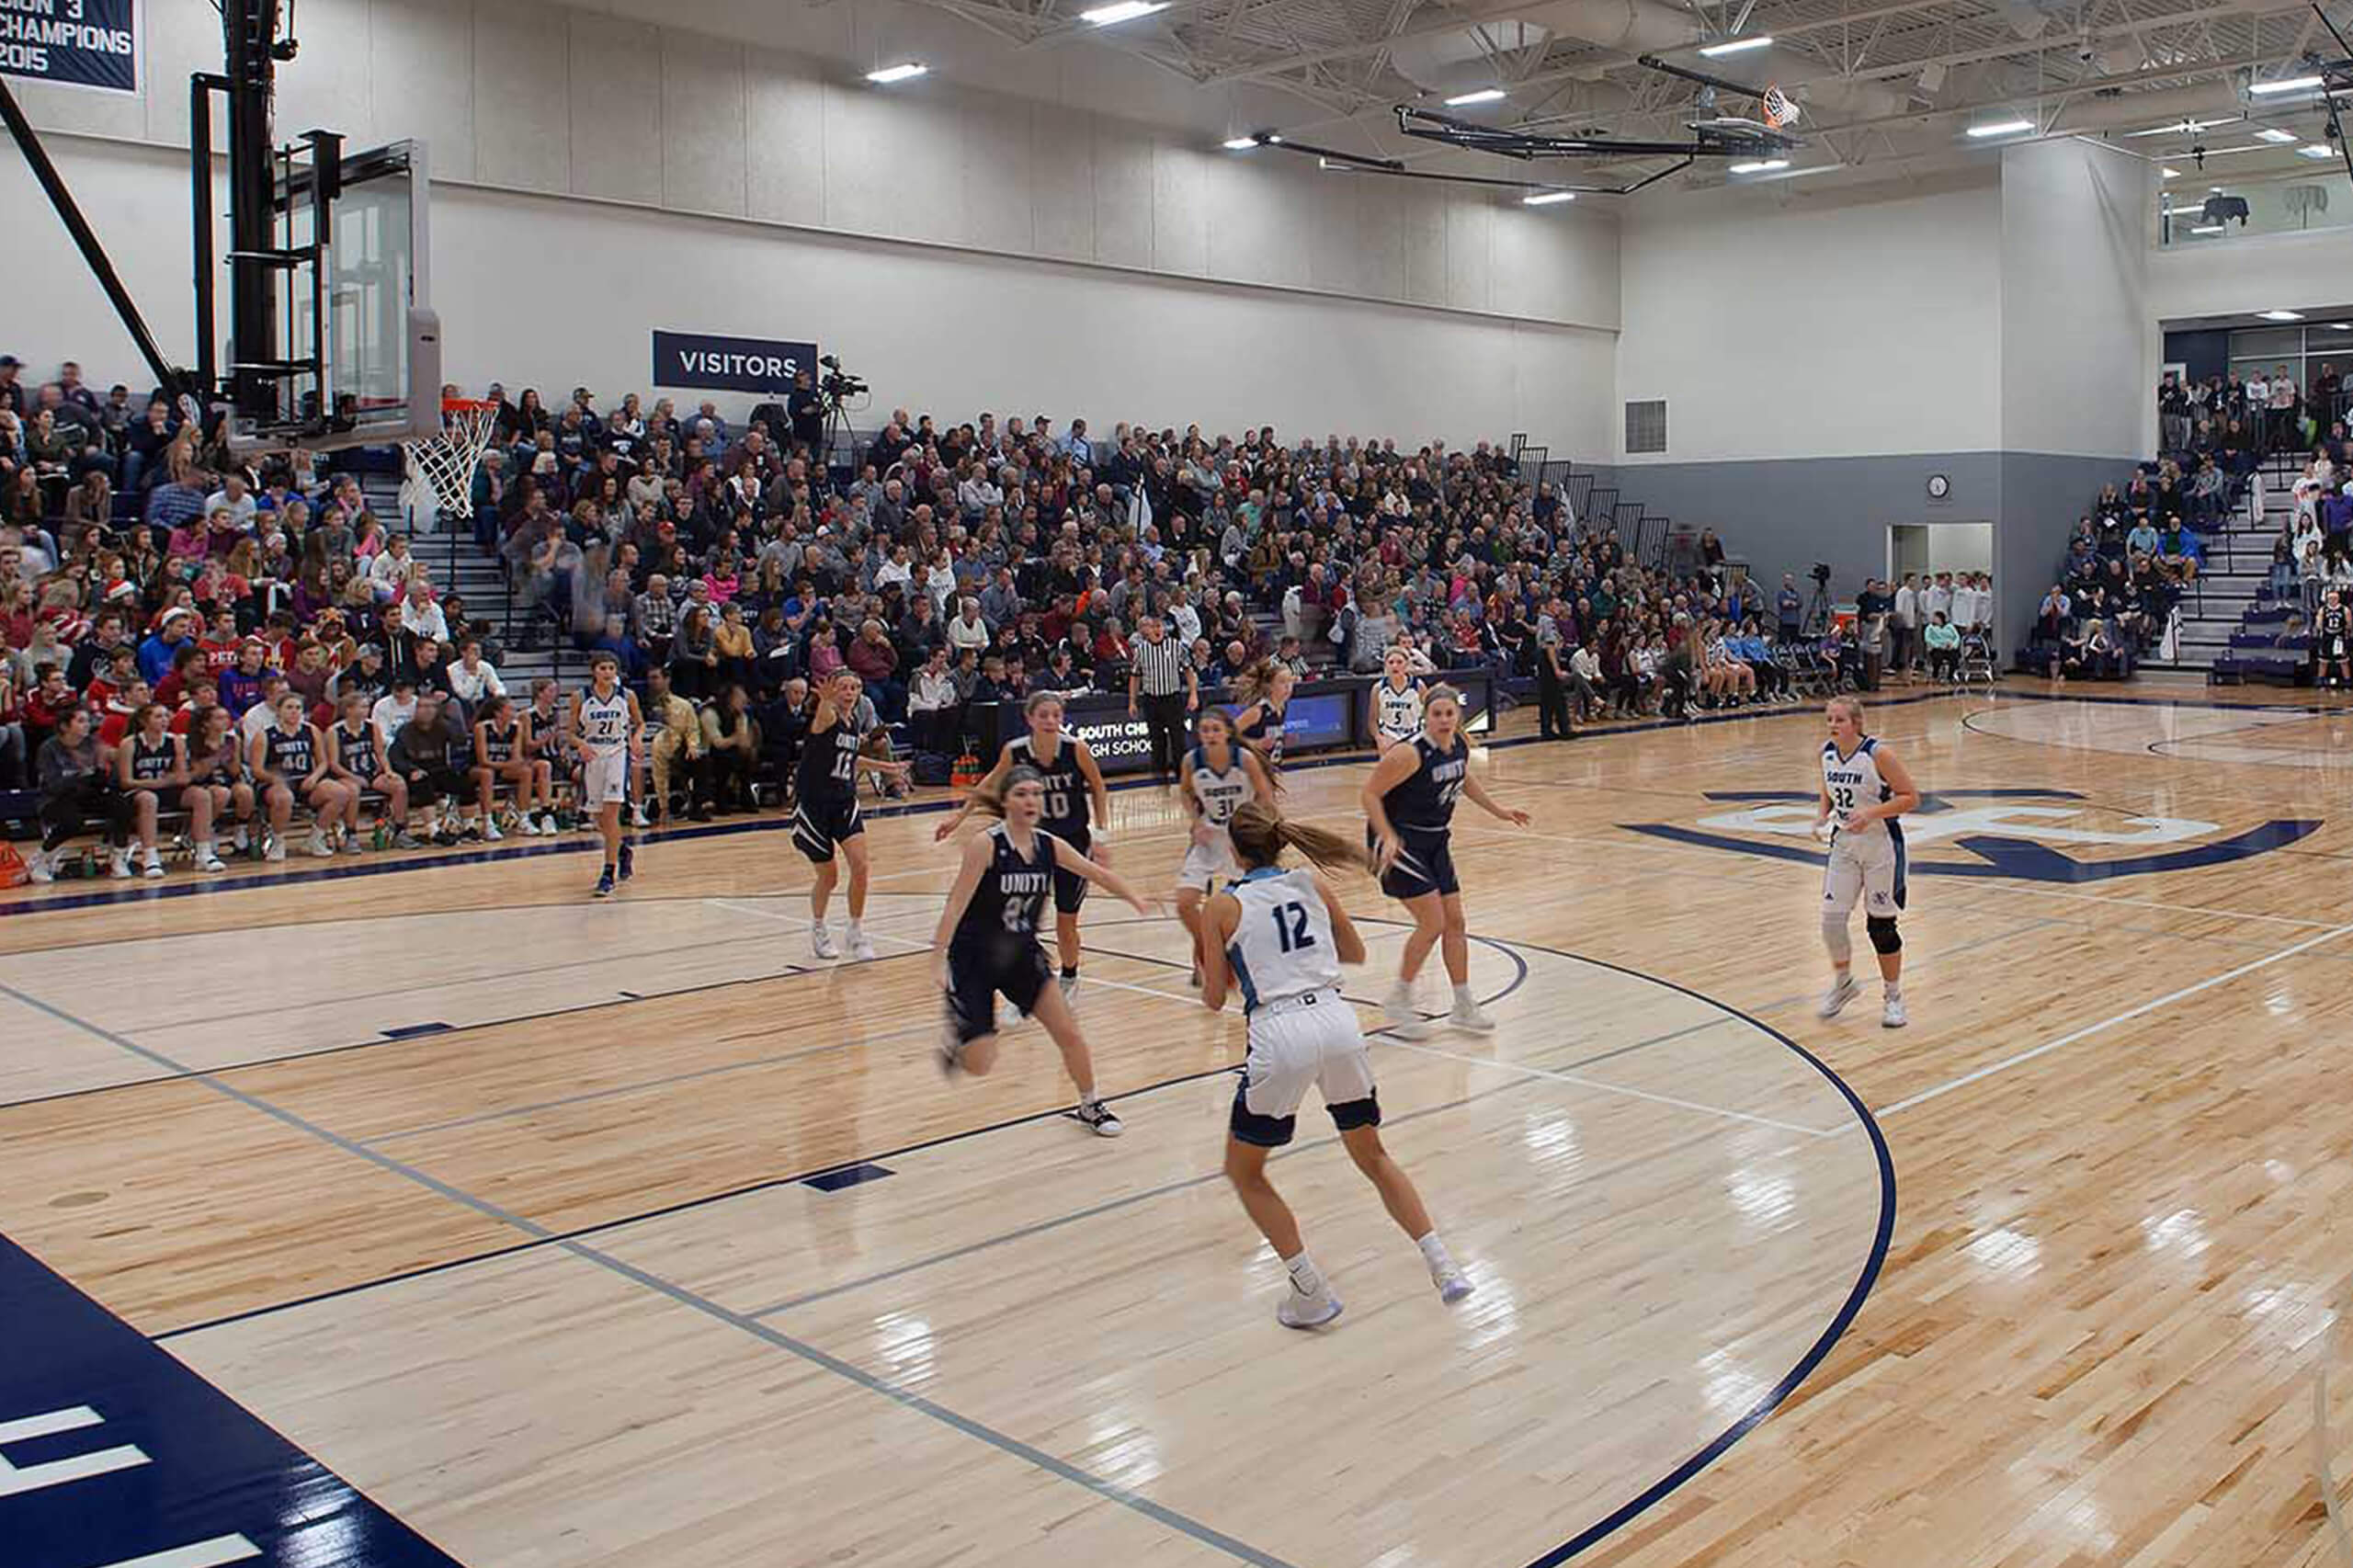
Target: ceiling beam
column 1465, row 19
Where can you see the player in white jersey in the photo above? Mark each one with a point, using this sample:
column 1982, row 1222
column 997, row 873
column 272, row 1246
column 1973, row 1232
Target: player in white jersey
column 609, row 733
column 1280, row 937
column 1865, row 792
column 1396, row 702
column 1219, row 775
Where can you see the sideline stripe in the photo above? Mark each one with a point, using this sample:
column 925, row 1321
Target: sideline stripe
column 2047, row 1047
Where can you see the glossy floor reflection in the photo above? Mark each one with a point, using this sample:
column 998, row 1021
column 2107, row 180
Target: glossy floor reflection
column 495, row 1203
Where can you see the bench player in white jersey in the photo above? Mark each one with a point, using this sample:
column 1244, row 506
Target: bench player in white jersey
column 609, row 733
column 1396, row 702
column 1280, row 937
column 1865, row 792
column 1218, row 774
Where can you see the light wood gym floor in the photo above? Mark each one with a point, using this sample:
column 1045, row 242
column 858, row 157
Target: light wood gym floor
column 493, row 1197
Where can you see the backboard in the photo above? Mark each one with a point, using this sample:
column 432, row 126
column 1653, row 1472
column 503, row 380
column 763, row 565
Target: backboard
column 380, row 352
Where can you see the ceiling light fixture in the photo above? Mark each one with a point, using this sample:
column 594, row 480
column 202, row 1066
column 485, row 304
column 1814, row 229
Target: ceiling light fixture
column 1239, row 144
column 2285, row 84
column 2209, row 229
column 1734, row 45
column 2273, row 133
column 903, row 71
column 2002, row 128
column 2173, row 173
column 1483, row 96
column 1762, row 165
column 1547, row 197
column 1125, row 11
column 2315, row 150
column 2179, row 127
column 2279, row 316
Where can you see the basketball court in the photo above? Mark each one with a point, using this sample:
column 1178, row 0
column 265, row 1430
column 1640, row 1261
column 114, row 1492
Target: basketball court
column 572, row 1233
column 420, row 1210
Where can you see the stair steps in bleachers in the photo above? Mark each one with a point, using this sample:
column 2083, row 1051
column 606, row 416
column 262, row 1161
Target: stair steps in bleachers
column 2229, row 623
column 457, row 565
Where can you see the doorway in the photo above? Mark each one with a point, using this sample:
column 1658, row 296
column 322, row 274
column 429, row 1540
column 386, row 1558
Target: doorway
column 1929, row 548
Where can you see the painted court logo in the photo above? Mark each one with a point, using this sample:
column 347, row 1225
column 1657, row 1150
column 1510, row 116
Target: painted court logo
column 2025, row 834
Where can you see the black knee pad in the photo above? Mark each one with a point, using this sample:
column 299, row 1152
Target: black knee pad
column 1882, row 930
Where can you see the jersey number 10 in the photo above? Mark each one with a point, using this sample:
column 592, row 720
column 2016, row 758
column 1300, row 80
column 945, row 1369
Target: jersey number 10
column 1291, row 927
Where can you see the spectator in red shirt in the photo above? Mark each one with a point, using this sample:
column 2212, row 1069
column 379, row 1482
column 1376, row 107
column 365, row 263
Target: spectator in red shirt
column 52, row 698
column 187, row 666
column 221, row 644
column 874, row 660
column 121, row 709
column 201, row 694
column 121, row 674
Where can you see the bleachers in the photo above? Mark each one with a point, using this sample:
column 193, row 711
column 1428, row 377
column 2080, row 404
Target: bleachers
column 2234, row 586
column 2254, row 632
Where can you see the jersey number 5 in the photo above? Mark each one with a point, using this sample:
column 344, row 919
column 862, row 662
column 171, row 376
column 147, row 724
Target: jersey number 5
column 1291, row 927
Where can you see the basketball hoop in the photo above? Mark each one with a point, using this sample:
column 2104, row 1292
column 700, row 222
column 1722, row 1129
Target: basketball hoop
column 443, row 466
column 1779, row 110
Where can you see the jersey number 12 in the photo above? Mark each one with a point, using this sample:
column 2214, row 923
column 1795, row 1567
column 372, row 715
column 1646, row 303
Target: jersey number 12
column 1291, row 927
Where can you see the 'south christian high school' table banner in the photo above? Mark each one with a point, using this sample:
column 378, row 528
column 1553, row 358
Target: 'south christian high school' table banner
column 76, row 43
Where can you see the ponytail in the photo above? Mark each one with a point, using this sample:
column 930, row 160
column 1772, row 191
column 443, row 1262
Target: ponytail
column 1261, row 833
column 1253, row 681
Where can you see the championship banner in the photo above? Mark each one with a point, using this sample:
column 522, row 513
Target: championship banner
column 726, row 364
column 75, row 43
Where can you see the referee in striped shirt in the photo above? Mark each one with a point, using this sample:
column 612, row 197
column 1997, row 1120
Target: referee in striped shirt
column 1161, row 684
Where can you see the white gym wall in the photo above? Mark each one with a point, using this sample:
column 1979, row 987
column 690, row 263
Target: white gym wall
column 1839, row 327
column 1224, row 287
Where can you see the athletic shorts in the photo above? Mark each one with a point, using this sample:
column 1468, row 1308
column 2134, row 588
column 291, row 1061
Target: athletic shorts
column 1206, row 862
column 603, row 779
column 1425, row 864
column 1868, row 866
column 818, row 825
column 1069, row 888
column 976, row 978
column 1295, row 1043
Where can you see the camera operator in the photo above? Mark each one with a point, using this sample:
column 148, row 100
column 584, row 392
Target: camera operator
column 804, row 410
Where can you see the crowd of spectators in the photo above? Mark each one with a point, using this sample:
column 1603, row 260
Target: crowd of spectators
column 2218, row 436
column 728, row 563
column 951, row 565
column 2255, row 414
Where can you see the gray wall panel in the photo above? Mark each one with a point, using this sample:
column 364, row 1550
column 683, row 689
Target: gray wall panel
column 1785, row 516
column 2042, row 494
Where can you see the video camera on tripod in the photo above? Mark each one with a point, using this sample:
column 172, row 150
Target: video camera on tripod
column 837, row 385
column 1817, row 609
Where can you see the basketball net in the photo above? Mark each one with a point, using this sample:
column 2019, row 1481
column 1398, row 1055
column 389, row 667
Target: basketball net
column 440, row 468
column 1779, row 110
